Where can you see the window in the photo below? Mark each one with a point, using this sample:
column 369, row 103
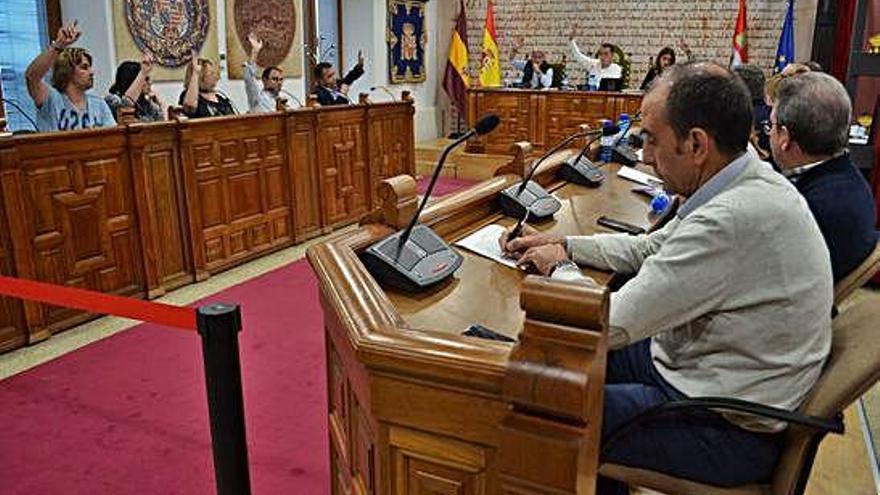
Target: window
column 22, row 37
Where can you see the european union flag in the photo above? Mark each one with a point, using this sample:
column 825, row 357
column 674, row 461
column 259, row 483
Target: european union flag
column 785, row 52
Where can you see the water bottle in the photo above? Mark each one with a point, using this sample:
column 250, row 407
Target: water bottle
column 607, row 142
column 623, row 122
column 593, row 82
column 659, row 202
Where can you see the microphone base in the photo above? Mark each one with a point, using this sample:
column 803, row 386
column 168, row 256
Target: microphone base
column 584, row 172
column 424, row 260
column 624, row 155
column 541, row 204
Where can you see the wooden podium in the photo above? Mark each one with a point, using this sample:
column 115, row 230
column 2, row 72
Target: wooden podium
column 417, row 408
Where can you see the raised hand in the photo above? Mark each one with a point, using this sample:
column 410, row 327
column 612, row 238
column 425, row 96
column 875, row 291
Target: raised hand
column 256, row 44
column 147, row 63
column 67, row 35
column 360, row 57
column 194, row 62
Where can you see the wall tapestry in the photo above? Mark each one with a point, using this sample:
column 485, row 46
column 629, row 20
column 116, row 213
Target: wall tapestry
column 168, row 30
column 276, row 22
column 407, row 37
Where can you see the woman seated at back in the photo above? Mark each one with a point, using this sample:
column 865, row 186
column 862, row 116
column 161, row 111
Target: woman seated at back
column 200, row 98
column 665, row 59
column 132, row 89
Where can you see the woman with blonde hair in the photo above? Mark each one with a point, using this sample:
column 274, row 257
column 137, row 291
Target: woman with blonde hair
column 200, row 97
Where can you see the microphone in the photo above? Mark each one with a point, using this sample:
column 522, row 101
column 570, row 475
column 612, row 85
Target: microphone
column 529, row 195
column 288, row 93
column 583, row 171
column 385, row 89
column 24, row 114
column 416, row 258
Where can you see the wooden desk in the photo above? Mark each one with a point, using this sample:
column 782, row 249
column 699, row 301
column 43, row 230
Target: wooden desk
column 541, row 117
column 414, row 407
column 141, row 209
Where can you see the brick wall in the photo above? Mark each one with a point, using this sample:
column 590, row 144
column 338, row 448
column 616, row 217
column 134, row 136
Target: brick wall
column 640, row 28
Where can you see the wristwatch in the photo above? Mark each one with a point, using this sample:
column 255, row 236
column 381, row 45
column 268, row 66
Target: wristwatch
column 566, row 266
column 56, row 47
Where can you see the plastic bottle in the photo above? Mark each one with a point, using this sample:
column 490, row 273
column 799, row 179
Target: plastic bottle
column 593, row 82
column 623, row 122
column 659, row 202
column 607, row 142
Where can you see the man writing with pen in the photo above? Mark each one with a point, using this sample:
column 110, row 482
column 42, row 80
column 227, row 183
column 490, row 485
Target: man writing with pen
column 731, row 298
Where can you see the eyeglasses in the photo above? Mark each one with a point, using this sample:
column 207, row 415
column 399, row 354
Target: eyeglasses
column 768, row 126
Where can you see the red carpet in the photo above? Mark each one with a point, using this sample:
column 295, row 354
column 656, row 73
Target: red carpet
column 128, row 414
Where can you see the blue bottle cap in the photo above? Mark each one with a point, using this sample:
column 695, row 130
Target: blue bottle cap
column 660, row 202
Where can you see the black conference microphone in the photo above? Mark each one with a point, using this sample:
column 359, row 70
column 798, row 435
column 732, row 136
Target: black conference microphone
column 529, row 195
column 416, row 258
column 581, row 170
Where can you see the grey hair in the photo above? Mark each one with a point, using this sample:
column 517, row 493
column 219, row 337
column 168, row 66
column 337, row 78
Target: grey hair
column 816, row 110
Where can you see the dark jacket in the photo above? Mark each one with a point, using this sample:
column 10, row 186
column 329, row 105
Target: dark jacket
column 326, row 97
column 843, row 207
column 529, row 72
column 206, row 108
column 649, row 77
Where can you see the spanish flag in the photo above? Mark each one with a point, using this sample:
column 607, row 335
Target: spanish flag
column 455, row 81
column 740, row 40
column 490, row 67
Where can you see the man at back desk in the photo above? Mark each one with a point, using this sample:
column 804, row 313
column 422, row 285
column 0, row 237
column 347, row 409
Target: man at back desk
column 332, row 91
column 598, row 68
column 731, row 298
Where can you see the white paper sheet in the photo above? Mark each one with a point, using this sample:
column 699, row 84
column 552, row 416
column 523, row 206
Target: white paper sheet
column 485, row 243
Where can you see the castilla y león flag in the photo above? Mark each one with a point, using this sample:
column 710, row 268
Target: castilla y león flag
column 490, row 66
column 455, row 81
column 740, row 39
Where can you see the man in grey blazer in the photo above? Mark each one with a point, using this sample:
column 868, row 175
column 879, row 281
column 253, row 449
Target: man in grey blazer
column 731, row 298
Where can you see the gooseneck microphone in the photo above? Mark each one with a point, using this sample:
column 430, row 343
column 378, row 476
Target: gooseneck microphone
column 581, row 170
column 416, row 258
column 288, row 93
column 385, row 89
column 529, row 195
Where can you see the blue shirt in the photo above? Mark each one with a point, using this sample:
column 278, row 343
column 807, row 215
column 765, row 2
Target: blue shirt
column 58, row 113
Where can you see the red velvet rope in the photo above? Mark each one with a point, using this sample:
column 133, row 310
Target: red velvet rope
column 96, row 302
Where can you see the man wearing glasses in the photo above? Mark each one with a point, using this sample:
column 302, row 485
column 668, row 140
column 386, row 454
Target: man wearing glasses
column 261, row 100
column 809, row 131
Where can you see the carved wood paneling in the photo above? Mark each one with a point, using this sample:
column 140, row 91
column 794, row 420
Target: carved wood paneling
column 302, row 161
column 80, row 227
column 144, row 208
column 426, row 464
column 342, row 164
column 12, row 327
column 158, row 180
column 239, row 188
column 390, row 142
column 542, row 117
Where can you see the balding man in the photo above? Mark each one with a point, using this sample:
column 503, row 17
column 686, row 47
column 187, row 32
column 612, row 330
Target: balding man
column 809, row 130
column 731, row 298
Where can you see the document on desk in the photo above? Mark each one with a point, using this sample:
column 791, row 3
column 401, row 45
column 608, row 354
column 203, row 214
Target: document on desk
column 634, row 175
column 485, row 243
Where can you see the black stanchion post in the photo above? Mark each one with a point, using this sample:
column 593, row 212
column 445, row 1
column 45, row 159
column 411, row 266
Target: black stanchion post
column 219, row 325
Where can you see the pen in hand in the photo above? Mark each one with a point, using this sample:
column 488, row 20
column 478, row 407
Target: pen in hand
column 517, row 230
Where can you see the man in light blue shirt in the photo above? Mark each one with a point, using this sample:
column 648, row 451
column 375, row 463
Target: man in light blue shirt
column 261, row 99
column 65, row 105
